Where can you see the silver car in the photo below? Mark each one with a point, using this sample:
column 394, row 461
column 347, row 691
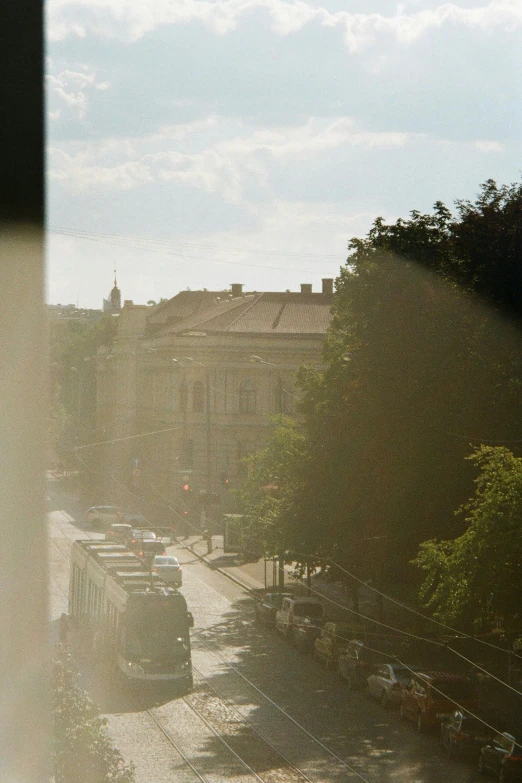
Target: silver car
column 99, row 516
column 169, row 569
column 387, row 681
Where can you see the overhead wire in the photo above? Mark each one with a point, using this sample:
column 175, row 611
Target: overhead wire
column 93, row 238
column 183, row 243
column 442, row 645
column 414, row 611
column 399, row 631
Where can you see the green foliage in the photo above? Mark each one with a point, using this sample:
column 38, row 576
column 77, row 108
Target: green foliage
column 479, row 574
column 82, row 749
column 268, row 491
column 72, row 393
column 419, row 362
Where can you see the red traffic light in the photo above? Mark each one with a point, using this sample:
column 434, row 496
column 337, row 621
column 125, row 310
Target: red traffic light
column 186, row 487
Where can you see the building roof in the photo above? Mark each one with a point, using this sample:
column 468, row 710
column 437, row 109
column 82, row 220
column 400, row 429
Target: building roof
column 253, row 313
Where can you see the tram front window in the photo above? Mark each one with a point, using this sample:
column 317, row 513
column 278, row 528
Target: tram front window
column 154, row 635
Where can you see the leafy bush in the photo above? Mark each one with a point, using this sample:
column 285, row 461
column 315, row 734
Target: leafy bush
column 82, row 749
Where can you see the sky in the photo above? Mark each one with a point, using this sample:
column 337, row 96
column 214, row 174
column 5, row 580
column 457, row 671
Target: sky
column 199, row 143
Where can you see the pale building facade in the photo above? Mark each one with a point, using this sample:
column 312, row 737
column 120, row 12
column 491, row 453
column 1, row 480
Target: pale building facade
column 203, row 372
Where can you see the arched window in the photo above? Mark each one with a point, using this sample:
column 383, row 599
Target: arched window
column 247, row 397
column 198, row 397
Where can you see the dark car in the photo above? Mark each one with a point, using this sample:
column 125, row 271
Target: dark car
column 120, row 533
column 151, row 548
column 306, row 631
column 501, row 757
column 144, row 542
column 431, row 694
column 463, row 734
column 267, row 607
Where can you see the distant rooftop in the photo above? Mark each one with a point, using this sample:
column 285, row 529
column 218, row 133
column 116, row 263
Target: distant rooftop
column 275, row 312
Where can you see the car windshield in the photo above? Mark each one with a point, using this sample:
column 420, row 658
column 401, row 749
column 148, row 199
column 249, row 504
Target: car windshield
column 402, row 675
column 274, row 599
column 308, row 610
column 170, row 561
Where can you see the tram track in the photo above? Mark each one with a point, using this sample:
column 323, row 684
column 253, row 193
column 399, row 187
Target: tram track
column 238, row 748
column 245, row 749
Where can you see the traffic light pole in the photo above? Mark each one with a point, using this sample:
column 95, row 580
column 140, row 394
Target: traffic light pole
column 209, row 435
column 205, row 523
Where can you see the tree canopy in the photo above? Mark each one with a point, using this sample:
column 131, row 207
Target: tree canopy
column 473, row 578
column 422, row 363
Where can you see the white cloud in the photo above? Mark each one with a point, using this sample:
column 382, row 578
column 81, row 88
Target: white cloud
column 129, row 20
column 225, row 168
column 489, row 146
column 72, row 88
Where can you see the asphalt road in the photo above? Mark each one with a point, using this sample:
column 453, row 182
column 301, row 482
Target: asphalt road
column 255, row 696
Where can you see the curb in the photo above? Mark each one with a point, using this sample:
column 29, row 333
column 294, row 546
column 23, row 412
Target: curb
column 208, row 563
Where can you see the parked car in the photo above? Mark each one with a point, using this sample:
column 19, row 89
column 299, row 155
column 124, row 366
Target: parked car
column 430, row 694
column 267, row 607
column 119, row 533
column 463, row 734
column 386, row 682
column 295, row 610
column 305, row 632
column 168, row 568
column 355, row 663
column 333, row 639
column 99, row 516
column 503, row 757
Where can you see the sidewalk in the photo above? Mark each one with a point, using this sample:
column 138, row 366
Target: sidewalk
column 251, row 576
column 257, row 575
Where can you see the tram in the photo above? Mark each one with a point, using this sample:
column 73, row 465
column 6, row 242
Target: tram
column 131, row 620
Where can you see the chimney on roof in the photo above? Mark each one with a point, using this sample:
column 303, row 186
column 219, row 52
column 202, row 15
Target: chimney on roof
column 306, row 288
column 237, row 289
column 328, row 285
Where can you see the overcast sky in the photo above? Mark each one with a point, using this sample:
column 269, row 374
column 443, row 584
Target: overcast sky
column 196, row 143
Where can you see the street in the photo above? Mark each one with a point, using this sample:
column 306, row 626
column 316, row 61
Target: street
column 259, row 709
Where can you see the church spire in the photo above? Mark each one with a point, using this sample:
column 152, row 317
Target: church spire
column 113, row 303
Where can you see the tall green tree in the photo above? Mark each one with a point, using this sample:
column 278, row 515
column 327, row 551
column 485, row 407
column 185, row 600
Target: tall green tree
column 472, row 578
column 420, row 361
column 267, row 494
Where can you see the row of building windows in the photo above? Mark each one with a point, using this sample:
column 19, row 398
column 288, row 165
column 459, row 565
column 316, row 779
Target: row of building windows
column 164, row 396
column 187, row 460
